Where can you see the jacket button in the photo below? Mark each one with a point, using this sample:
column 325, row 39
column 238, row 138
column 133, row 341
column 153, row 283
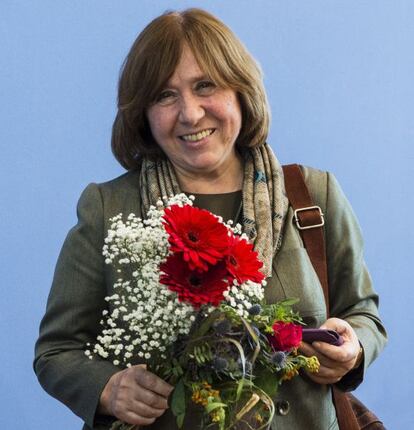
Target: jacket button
column 282, row 407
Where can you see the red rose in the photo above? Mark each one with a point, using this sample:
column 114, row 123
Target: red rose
column 285, row 336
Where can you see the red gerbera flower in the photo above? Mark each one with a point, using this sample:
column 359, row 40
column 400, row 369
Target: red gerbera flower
column 194, row 286
column 197, row 233
column 242, row 261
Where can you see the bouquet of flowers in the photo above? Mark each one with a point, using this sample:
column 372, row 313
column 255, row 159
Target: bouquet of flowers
column 189, row 301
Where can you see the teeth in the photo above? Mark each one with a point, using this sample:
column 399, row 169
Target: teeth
column 197, row 136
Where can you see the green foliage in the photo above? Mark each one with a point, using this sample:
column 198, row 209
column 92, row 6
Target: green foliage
column 282, row 311
column 119, row 425
column 288, row 303
column 231, row 314
column 245, row 348
column 267, row 381
column 214, row 405
column 178, row 403
column 202, row 353
column 173, row 372
column 202, row 329
column 242, row 385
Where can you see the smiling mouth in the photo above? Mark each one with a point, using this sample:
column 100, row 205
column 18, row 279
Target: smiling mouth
column 197, row 136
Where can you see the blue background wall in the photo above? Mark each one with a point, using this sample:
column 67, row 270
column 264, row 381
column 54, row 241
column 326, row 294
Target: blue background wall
column 339, row 75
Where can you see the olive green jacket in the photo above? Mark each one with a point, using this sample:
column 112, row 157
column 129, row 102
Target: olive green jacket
column 82, row 280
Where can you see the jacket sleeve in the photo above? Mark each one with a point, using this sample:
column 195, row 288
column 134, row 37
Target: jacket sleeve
column 352, row 296
column 74, row 309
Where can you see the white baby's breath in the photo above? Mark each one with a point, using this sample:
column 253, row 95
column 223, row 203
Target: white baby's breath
column 144, row 317
column 242, row 297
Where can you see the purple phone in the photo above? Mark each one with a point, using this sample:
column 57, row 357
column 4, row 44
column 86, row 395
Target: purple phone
column 310, row 335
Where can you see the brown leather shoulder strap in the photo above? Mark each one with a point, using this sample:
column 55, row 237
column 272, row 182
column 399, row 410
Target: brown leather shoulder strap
column 309, row 221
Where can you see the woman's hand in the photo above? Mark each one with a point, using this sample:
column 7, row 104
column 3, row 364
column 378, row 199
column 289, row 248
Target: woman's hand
column 335, row 361
column 135, row 396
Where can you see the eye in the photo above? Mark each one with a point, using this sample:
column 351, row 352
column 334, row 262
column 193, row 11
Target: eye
column 166, row 97
column 205, row 87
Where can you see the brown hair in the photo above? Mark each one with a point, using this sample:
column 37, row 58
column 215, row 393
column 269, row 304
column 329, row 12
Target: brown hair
column 153, row 59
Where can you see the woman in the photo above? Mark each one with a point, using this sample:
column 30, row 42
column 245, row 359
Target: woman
column 193, row 117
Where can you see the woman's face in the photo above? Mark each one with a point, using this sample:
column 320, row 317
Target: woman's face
column 195, row 122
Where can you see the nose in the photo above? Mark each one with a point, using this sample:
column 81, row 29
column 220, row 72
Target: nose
column 191, row 110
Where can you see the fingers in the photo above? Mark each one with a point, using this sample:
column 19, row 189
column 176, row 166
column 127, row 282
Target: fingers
column 345, row 353
column 324, row 360
column 135, row 396
column 337, row 354
column 139, row 401
column 150, row 399
column 339, row 325
column 152, row 382
column 131, row 417
column 147, row 411
column 330, row 371
column 135, row 412
column 343, row 328
column 335, row 361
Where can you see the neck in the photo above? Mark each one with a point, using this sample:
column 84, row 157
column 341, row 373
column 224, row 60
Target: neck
column 226, row 181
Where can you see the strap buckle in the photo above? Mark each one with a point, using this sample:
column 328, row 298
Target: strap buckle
column 309, row 208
